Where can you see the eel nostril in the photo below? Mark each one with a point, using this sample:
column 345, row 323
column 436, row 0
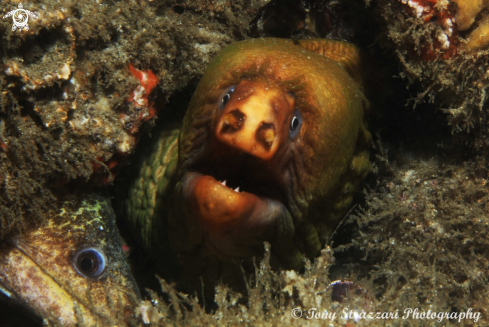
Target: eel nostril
column 266, row 134
column 233, row 121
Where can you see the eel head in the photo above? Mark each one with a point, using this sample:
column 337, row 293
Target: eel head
column 272, row 149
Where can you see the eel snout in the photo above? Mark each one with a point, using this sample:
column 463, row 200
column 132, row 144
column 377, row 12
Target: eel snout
column 255, row 119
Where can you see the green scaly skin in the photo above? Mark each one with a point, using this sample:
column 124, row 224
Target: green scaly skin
column 151, row 191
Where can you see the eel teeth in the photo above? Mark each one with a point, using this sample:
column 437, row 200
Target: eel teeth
column 224, row 183
column 236, row 189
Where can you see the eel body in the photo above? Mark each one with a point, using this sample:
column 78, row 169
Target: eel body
column 272, row 148
column 71, row 271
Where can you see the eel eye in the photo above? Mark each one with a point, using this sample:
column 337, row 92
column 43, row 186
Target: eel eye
column 225, row 96
column 295, row 124
column 89, row 261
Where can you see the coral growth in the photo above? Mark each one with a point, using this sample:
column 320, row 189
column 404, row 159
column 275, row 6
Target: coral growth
column 424, row 236
column 442, row 40
column 71, row 108
column 479, row 37
column 445, row 41
column 455, row 79
column 467, row 10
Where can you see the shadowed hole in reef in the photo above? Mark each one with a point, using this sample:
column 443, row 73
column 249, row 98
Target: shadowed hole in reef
column 28, row 110
column 178, row 9
column 35, row 47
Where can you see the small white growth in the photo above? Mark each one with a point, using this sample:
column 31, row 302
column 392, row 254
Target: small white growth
column 79, row 122
column 144, row 309
column 64, row 72
column 408, row 175
column 144, row 115
column 139, row 93
column 103, row 105
column 145, row 78
column 443, row 39
column 447, row 25
column 48, row 78
column 419, row 9
column 442, row 4
column 205, row 48
column 291, row 279
column 126, row 144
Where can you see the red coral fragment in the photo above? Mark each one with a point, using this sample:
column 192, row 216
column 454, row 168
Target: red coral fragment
column 144, row 108
column 445, row 46
column 148, row 82
column 147, row 78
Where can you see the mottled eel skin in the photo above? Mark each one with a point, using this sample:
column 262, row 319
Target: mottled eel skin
column 283, row 121
column 71, row 270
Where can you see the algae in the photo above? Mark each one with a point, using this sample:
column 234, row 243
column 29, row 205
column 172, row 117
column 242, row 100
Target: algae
column 417, row 236
column 64, row 109
column 437, row 65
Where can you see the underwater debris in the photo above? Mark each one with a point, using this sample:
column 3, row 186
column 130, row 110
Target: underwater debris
column 65, row 84
column 71, row 270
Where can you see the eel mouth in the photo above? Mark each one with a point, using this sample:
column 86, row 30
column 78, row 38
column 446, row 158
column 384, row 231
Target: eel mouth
column 222, row 208
column 234, row 195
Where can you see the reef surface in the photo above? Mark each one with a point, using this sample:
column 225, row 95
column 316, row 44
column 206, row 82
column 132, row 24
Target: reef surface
column 417, row 237
column 76, row 87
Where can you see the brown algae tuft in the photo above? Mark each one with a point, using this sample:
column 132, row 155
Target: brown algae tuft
column 442, row 47
column 65, row 109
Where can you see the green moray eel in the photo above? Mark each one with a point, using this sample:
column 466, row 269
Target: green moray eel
column 71, row 271
column 272, row 148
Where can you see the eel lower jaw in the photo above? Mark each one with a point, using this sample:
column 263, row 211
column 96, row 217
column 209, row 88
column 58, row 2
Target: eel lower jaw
column 224, row 211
